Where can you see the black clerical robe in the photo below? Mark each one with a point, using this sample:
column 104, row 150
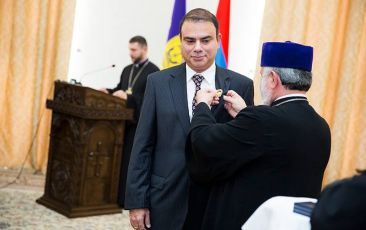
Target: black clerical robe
column 341, row 205
column 265, row 151
column 134, row 101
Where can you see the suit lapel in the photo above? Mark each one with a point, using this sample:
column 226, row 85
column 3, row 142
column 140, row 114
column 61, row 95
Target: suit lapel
column 178, row 90
column 222, row 81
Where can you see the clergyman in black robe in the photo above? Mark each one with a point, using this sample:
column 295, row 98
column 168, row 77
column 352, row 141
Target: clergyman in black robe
column 132, row 89
column 280, row 148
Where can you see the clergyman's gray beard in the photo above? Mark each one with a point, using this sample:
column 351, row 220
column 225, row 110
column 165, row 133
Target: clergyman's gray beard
column 265, row 95
column 266, row 99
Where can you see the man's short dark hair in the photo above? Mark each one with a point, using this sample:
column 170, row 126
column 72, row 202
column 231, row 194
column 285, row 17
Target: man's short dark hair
column 139, row 39
column 199, row 15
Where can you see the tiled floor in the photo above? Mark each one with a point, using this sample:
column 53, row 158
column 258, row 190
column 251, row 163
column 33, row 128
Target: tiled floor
column 18, row 209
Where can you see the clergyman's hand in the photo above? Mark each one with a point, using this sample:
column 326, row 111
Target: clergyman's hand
column 207, row 96
column 104, row 90
column 121, row 94
column 140, row 218
column 234, row 103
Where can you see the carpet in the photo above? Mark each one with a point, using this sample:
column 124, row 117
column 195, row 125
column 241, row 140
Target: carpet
column 18, row 210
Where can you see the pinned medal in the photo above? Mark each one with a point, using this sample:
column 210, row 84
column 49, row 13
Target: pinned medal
column 218, row 93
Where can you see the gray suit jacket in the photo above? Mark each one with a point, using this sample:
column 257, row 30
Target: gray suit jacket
column 157, row 175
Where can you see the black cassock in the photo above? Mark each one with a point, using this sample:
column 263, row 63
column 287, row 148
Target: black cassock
column 134, row 101
column 265, row 151
column 341, row 205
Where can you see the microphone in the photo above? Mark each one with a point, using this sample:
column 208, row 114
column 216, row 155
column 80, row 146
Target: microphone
column 74, row 81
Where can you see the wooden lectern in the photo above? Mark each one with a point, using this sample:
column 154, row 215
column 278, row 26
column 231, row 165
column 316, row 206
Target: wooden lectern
column 85, row 150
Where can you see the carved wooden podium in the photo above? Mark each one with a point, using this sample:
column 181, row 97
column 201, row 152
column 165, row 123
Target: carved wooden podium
column 85, row 151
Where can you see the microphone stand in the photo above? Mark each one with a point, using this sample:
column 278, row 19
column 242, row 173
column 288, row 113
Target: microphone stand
column 74, row 81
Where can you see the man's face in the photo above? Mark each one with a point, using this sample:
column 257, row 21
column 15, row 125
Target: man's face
column 137, row 52
column 265, row 89
column 199, row 44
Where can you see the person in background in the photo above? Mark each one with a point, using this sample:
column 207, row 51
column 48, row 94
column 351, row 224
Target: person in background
column 280, row 148
column 132, row 89
column 341, row 205
column 157, row 181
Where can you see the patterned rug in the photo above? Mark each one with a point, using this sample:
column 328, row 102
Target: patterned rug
column 18, row 210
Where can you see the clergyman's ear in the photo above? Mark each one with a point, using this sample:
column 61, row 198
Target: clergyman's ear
column 275, row 79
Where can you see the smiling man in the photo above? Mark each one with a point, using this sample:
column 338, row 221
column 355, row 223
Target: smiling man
column 158, row 181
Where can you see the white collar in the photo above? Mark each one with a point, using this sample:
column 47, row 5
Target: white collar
column 209, row 73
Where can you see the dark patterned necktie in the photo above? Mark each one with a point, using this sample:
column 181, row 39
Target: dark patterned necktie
column 197, row 79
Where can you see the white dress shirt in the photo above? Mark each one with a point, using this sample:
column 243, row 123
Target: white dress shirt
column 207, row 83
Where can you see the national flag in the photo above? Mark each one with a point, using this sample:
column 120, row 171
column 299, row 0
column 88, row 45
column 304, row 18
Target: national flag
column 223, row 16
column 173, row 55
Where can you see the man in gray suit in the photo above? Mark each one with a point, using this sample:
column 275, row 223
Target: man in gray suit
column 158, row 181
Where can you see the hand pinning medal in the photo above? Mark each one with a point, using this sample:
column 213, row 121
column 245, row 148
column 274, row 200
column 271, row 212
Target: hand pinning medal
column 218, row 93
column 209, row 96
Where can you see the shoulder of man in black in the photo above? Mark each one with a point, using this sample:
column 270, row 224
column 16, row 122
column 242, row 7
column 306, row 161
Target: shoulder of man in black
column 207, row 137
column 153, row 67
column 341, row 205
column 126, row 69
